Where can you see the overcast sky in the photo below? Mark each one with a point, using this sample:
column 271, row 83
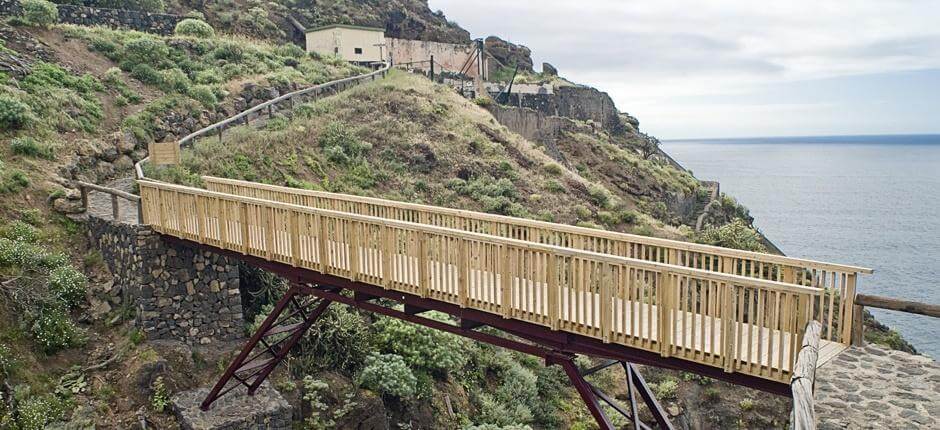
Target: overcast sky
column 690, row 69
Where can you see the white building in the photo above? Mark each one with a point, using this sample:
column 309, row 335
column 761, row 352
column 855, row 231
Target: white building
column 351, row 42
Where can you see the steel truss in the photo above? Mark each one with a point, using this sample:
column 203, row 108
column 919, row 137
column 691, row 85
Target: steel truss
column 281, row 331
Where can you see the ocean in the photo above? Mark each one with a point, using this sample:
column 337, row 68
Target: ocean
column 870, row 201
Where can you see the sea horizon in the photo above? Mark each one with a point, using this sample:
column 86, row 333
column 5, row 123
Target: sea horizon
column 869, row 201
column 879, row 139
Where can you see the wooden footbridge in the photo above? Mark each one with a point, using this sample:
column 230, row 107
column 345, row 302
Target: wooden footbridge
column 556, row 290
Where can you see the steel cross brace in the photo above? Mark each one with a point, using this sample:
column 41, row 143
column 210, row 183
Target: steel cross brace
column 261, row 354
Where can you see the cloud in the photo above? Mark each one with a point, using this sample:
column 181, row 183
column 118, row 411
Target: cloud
column 649, row 53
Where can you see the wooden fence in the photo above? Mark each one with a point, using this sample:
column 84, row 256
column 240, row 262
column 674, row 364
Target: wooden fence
column 837, row 283
column 738, row 323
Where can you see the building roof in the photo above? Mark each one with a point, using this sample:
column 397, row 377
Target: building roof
column 353, row 27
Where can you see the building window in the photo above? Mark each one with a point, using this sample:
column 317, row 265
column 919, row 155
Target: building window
column 336, row 50
column 358, row 50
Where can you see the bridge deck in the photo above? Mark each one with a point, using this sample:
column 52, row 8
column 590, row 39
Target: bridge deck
column 731, row 322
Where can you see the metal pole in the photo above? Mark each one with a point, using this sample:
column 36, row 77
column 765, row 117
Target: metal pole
column 432, row 68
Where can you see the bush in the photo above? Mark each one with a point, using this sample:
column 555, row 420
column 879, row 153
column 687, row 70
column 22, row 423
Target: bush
column 141, row 5
column 174, row 80
column 12, row 181
column 666, row 389
column 146, row 74
column 21, row 232
column 53, row 330
column 389, row 375
column 39, row 12
column 14, row 114
column 423, row 348
column 599, row 195
column 29, row 147
column 340, row 144
column 194, row 28
column 553, row 169
column 145, row 50
column 735, row 234
column 340, row 339
column 204, row 94
column 290, row 50
column 68, row 285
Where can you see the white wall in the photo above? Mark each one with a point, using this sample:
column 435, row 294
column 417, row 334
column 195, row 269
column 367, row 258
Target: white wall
column 344, row 41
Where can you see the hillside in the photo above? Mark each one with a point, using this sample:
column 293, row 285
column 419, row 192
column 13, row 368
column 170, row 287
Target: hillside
column 83, row 103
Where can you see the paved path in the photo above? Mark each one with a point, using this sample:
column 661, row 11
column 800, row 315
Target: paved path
column 99, row 204
column 872, row 387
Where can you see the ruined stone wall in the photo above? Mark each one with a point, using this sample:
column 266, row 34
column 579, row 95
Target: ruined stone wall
column 581, row 103
column 451, row 56
column 159, row 23
column 178, row 292
column 533, row 125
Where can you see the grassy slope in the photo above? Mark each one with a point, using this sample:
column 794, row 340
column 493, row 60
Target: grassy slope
column 77, row 97
column 407, row 139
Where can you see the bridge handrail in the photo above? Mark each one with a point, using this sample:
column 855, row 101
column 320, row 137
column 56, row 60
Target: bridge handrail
column 838, row 281
column 674, row 244
column 482, row 237
column 737, row 323
column 220, row 125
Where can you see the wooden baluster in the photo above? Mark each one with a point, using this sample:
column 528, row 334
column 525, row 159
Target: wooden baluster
column 294, row 228
column 246, row 241
column 424, row 280
column 848, row 306
column 505, row 282
column 388, row 251
column 727, row 326
column 463, row 273
column 323, row 244
column 606, row 297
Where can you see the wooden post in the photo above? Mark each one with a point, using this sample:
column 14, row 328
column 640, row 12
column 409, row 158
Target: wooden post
column 84, row 192
column 432, row 68
column 858, row 325
column 803, row 416
column 354, row 250
column 115, row 207
column 848, row 304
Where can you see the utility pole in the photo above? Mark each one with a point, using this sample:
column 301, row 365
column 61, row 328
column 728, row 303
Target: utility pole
column 432, row 67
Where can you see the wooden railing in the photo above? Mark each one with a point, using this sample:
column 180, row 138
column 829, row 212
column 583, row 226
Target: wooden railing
column 837, row 282
column 270, row 106
column 737, row 323
column 115, row 195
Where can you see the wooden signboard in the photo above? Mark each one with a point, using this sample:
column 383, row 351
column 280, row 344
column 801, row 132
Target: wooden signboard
column 164, row 153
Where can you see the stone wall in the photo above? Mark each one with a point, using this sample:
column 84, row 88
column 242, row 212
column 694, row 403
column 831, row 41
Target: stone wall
column 159, row 23
column 581, row 103
column 449, row 56
column 178, row 292
column 534, row 125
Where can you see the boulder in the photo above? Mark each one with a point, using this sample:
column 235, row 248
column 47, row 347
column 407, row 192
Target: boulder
column 549, row 70
column 109, row 153
column 124, row 162
column 67, row 206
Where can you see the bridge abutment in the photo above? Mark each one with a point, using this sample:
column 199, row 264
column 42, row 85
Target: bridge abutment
column 177, row 292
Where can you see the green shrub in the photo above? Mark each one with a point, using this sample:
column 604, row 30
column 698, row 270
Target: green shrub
column 389, row 375
column 174, row 80
column 735, row 234
column 229, row 51
column 340, row 340
column 39, row 12
column 145, row 50
column 12, row 181
column 141, row 5
column 68, row 285
column 666, row 389
column 423, row 348
column 290, row 50
column 27, row 256
column 209, row 76
column 483, row 101
column 7, row 361
column 554, row 186
column 30, row 147
column 204, row 94
column 340, row 144
column 146, row 74
column 553, row 169
column 20, row 231
column 14, row 113
column 37, row 412
column 599, row 195
column 160, row 397
column 53, row 330
column 194, row 28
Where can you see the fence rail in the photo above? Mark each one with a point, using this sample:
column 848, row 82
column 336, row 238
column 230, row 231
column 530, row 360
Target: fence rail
column 741, row 324
column 115, row 194
column 836, row 282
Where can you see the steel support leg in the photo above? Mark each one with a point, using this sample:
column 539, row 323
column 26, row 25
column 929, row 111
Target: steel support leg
column 288, row 322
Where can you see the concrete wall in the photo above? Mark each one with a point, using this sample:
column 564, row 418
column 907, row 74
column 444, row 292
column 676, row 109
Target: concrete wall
column 346, row 41
column 159, row 23
column 178, row 292
column 534, row 126
column 451, row 56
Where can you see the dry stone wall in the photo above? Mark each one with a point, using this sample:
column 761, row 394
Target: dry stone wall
column 179, row 292
column 160, row 23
